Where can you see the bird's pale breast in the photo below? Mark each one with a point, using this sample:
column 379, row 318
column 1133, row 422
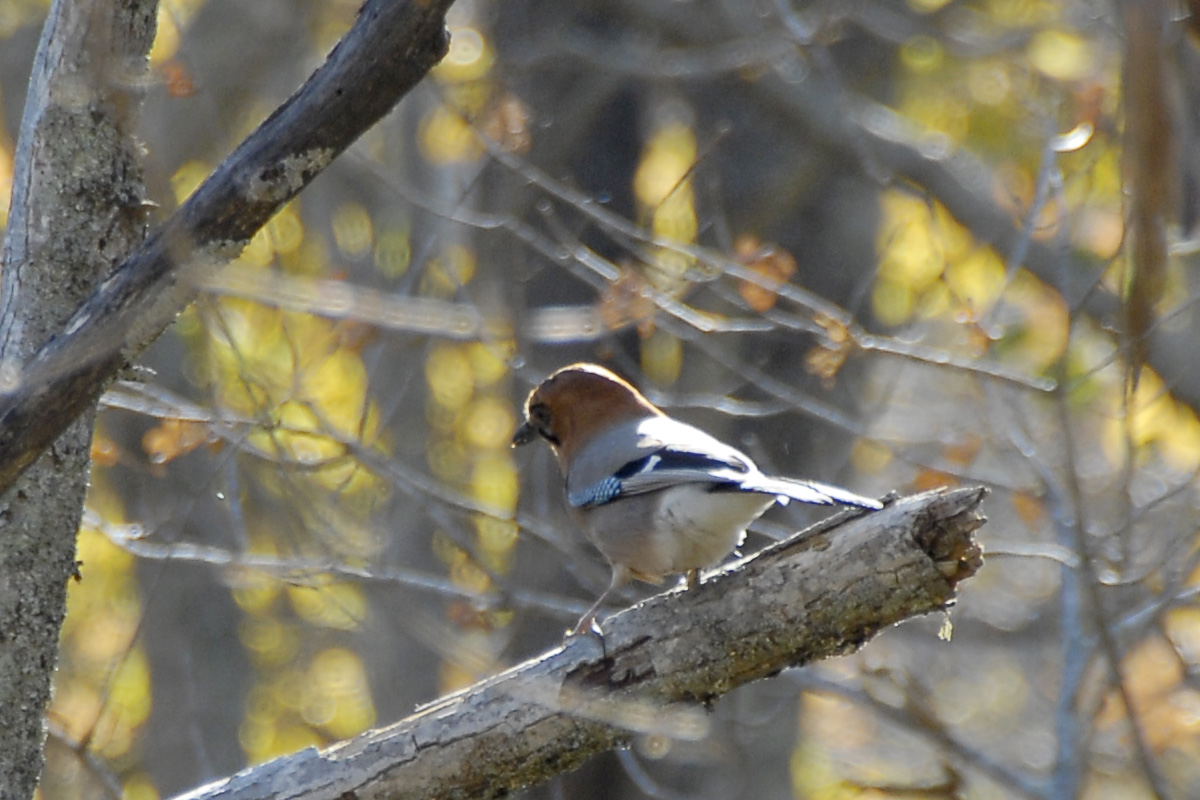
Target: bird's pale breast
column 673, row 530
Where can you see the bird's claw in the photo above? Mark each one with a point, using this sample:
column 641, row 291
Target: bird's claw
column 588, row 627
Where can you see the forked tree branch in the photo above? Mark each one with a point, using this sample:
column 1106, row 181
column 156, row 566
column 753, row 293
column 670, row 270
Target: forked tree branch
column 391, row 47
column 821, row 593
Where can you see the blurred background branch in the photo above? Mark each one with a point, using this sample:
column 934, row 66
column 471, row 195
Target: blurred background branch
column 891, row 245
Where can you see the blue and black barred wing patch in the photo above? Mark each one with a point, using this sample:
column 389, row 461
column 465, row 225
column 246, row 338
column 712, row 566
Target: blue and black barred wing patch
column 597, row 494
column 660, row 470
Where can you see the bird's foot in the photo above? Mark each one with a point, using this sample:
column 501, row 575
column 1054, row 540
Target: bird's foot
column 588, row 626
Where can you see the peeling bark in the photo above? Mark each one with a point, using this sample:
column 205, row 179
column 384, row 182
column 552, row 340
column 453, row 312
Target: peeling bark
column 821, row 593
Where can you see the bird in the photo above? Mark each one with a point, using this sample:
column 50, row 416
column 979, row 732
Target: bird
column 655, row 495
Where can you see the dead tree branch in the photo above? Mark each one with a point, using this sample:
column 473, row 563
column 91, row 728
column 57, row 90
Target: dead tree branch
column 821, row 593
column 391, row 46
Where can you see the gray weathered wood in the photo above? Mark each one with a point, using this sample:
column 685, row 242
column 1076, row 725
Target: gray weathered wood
column 77, row 210
column 821, row 593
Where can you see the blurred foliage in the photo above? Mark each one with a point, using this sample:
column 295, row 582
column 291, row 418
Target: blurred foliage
column 331, row 524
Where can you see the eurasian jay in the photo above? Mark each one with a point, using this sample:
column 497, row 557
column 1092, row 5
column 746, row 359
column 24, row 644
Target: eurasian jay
column 655, row 495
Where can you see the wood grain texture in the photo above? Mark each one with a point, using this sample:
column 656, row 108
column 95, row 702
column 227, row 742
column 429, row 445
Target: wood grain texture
column 821, row 593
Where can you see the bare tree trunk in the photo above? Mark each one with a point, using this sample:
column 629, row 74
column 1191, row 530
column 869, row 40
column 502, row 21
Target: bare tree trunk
column 69, row 321
column 77, row 210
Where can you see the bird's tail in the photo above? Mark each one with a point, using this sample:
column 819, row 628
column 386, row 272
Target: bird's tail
column 808, row 492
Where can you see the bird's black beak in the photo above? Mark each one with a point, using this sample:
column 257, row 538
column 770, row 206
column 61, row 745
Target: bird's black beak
column 524, row 435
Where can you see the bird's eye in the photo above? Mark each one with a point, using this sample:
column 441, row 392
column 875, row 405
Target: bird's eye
column 539, row 418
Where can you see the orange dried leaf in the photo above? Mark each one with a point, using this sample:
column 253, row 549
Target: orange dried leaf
column 835, row 330
column 1030, row 509
column 1163, row 704
column 827, row 359
column 353, row 335
column 507, row 124
column 178, row 79
column 963, row 452
column 105, row 452
column 174, row 438
column 627, row 301
column 978, row 341
column 1089, row 102
column 774, row 263
column 825, row 362
column 468, row 616
column 928, row 479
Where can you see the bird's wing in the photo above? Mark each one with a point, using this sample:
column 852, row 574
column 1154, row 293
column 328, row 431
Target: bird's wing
column 668, row 453
column 806, row 491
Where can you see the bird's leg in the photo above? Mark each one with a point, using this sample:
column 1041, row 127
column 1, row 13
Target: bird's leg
column 587, row 623
column 693, row 578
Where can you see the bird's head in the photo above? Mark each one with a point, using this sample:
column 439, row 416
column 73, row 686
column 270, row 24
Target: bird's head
column 577, row 402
